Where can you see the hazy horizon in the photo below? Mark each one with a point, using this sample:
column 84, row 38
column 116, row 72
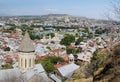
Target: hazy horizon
column 85, row 8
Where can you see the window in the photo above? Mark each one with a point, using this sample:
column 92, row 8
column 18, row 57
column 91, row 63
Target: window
column 21, row 62
column 71, row 60
column 25, row 63
column 30, row 62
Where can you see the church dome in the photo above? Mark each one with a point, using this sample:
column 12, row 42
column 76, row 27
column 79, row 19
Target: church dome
column 26, row 44
column 71, row 56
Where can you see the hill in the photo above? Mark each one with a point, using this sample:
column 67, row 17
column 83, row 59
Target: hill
column 111, row 72
column 104, row 67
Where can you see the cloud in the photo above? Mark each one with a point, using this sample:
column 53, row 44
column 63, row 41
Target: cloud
column 50, row 10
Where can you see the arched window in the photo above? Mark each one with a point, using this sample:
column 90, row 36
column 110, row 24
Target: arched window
column 25, row 63
column 33, row 62
column 29, row 62
column 21, row 62
column 71, row 60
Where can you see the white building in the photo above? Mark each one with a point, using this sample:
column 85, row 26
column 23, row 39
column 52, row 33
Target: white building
column 67, row 70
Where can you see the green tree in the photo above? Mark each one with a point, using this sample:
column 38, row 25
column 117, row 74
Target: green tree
column 90, row 35
column 78, row 40
column 67, row 40
column 7, row 49
column 49, row 67
column 69, row 50
column 48, row 47
column 53, row 59
column 49, row 61
column 52, row 35
column 76, row 34
column 37, row 61
column 33, row 36
column 6, row 66
column 13, row 28
column 72, row 50
column 85, row 30
column 99, row 31
column 6, row 31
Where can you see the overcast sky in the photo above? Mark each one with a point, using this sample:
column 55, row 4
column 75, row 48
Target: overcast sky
column 87, row 8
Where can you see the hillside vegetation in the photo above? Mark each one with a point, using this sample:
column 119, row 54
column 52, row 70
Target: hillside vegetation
column 104, row 67
column 111, row 71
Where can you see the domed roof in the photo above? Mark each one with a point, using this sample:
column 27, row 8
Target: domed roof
column 26, row 44
column 71, row 56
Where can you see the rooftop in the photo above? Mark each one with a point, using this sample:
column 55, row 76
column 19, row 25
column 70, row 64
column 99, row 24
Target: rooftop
column 26, row 44
column 68, row 70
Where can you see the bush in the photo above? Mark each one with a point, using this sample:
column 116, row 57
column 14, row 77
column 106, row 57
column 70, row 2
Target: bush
column 6, row 66
column 48, row 47
column 37, row 61
column 99, row 57
column 7, row 31
column 7, row 49
column 76, row 76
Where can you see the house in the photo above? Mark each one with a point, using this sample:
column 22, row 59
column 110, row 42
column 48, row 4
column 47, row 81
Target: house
column 83, row 45
column 84, row 56
column 91, row 49
column 58, row 52
column 67, row 71
column 55, row 78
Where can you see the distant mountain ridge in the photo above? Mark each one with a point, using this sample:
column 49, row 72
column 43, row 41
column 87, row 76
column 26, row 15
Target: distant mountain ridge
column 56, row 15
column 44, row 17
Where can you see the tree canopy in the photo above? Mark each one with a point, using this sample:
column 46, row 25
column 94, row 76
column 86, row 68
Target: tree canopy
column 67, row 40
column 49, row 61
column 78, row 40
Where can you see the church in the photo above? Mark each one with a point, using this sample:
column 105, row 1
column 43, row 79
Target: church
column 26, row 53
column 27, row 71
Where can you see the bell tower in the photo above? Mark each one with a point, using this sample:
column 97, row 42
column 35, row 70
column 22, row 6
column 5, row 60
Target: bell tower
column 71, row 58
column 26, row 53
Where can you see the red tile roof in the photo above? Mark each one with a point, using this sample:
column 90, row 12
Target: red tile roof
column 8, row 60
column 66, row 58
column 60, row 64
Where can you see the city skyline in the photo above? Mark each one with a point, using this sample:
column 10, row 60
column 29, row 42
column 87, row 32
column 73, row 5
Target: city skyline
column 87, row 8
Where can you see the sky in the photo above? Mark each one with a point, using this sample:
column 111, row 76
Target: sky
column 86, row 8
